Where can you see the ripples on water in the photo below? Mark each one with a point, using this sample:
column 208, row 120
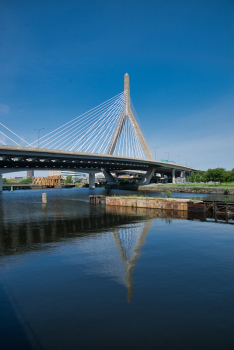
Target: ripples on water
column 79, row 276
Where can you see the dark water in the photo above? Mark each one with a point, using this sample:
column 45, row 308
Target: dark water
column 75, row 276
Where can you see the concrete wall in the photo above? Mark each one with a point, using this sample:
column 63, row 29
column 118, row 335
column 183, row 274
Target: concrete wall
column 140, row 202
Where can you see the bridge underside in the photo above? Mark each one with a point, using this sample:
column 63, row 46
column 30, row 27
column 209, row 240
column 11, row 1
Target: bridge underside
column 14, row 159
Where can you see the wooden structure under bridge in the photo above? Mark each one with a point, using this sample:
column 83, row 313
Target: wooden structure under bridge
column 49, row 181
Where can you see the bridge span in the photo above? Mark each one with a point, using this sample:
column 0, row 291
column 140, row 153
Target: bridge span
column 105, row 139
column 14, row 158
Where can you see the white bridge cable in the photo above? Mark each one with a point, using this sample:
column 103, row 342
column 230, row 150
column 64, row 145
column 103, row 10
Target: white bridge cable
column 111, row 130
column 97, row 141
column 12, row 132
column 92, row 130
column 128, row 143
column 9, row 138
column 106, row 124
column 110, row 113
column 82, row 116
column 90, row 120
column 119, row 140
column 66, row 136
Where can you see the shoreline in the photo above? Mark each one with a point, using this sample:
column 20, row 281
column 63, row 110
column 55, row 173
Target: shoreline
column 177, row 189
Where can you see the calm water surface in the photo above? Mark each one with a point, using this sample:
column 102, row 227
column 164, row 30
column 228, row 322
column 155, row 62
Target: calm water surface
column 75, row 276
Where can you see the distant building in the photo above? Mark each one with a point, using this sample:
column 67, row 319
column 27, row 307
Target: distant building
column 30, row 173
column 75, row 175
column 54, row 172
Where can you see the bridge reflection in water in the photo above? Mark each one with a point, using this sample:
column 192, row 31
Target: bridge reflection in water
column 116, row 234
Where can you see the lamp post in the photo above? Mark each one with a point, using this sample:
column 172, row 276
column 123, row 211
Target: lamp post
column 155, row 148
column 179, row 158
column 38, row 135
column 168, row 154
column 186, row 161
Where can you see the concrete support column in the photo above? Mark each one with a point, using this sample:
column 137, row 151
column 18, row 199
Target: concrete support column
column 182, row 175
column 109, row 178
column 92, row 180
column 173, row 176
column 0, row 183
column 162, row 176
column 147, row 177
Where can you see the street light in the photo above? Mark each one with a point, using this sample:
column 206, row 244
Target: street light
column 38, row 134
column 168, row 154
column 179, row 158
column 155, row 151
column 186, row 161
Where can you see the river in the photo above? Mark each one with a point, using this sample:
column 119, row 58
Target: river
column 77, row 276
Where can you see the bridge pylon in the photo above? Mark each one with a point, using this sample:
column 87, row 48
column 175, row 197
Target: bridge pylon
column 127, row 113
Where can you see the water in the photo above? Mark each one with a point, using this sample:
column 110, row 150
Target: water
column 89, row 277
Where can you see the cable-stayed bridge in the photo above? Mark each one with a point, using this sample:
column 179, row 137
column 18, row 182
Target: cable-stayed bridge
column 107, row 139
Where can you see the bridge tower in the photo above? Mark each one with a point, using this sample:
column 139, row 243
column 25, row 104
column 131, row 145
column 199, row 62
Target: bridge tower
column 127, row 113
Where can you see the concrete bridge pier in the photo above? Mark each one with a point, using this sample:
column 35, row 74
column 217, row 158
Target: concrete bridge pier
column 109, row 178
column 0, row 183
column 173, row 176
column 91, row 180
column 182, row 175
column 147, row 177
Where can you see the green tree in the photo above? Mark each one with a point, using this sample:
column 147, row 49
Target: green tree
column 198, row 177
column 69, row 179
column 217, row 174
column 28, row 180
column 228, row 176
column 187, row 179
column 232, row 175
column 4, row 180
column 192, row 177
column 203, row 178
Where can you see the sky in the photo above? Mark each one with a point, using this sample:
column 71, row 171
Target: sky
column 59, row 59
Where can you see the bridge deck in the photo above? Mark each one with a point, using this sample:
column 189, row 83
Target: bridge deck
column 14, row 158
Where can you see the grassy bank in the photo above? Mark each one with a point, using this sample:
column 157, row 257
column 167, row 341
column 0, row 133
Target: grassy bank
column 224, row 185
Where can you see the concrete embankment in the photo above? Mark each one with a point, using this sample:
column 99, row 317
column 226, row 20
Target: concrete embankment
column 151, row 203
column 144, row 202
column 175, row 204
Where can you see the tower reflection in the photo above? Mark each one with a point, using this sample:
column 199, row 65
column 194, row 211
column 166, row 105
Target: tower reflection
column 129, row 242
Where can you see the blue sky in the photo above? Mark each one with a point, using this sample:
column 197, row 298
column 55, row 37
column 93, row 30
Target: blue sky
column 59, row 59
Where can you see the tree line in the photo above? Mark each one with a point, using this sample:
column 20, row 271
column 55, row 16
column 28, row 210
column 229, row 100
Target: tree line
column 215, row 175
column 27, row 180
